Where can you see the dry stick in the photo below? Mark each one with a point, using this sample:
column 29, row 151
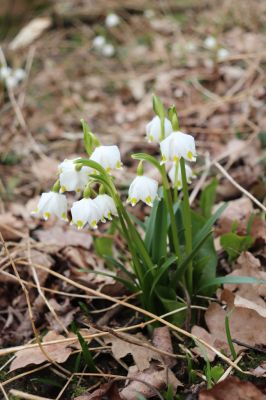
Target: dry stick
column 36, row 278
column 3, row 391
column 30, row 310
column 239, row 187
column 144, row 312
column 64, row 387
column 229, row 370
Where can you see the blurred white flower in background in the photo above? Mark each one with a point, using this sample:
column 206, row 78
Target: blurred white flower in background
column 112, row 20
column 210, row 42
column 222, row 54
column 98, row 42
column 12, row 77
column 108, row 50
column 191, row 46
column 149, row 14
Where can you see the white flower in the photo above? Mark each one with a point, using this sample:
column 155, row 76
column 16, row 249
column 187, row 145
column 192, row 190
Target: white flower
column 106, row 206
column 85, row 211
column 52, row 203
column 5, row 72
column 108, row 50
column 176, row 176
column 72, row 179
column 142, row 188
column 11, row 81
column 99, row 42
column 19, row 74
column 191, row 46
column 107, row 156
column 210, row 42
column 222, row 54
column 154, row 131
column 112, row 20
column 178, row 145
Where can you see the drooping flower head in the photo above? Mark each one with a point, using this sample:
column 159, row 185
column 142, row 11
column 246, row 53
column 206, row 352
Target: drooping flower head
column 98, row 42
column 108, row 157
column 72, row 177
column 85, row 211
column 176, row 176
column 106, row 205
column 142, row 188
column 178, row 145
column 52, row 203
column 154, row 129
column 112, row 20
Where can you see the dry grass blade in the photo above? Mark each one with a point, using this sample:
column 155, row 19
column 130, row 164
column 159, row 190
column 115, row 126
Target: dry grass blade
column 26, row 396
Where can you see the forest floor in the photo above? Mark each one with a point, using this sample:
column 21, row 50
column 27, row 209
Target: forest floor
column 159, row 47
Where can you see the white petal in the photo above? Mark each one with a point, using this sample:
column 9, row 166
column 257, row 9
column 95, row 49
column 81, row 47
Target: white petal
column 154, row 131
column 84, row 212
column 52, row 203
column 176, row 179
column 143, row 188
column 107, row 156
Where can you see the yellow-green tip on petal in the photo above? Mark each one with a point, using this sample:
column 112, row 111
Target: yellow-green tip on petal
column 148, row 201
column 190, row 155
column 93, row 224
column 133, row 201
column 80, row 224
column 118, row 165
column 63, row 189
column 46, row 215
column 64, row 216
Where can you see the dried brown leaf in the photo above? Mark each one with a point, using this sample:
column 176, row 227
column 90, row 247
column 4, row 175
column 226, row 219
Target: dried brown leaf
column 232, row 388
column 156, row 377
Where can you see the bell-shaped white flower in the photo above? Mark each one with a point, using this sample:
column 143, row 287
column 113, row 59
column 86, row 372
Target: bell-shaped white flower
column 154, row 129
column 5, row 72
column 210, row 42
column 85, row 211
column 178, row 145
column 108, row 50
column 112, row 20
column 106, row 206
column 52, row 203
column 72, row 178
column 175, row 175
column 222, row 54
column 20, row 74
column 108, row 157
column 99, row 42
column 142, row 188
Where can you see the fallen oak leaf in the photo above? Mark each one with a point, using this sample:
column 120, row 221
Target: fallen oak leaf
column 148, row 382
column 58, row 352
column 240, row 330
column 107, row 389
column 232, row 388
column 126, row 344
column 162, row 340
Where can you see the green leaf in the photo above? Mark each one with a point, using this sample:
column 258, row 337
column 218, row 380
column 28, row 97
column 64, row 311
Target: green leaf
column 103, row 246
column 216, row 372
column 207, row 198
column 232, row 279
column 88, row 143
column 85, row 350
column 167, row 297
column 158, row 107
column 156, row 234
column 234, row 244
column 161, row 271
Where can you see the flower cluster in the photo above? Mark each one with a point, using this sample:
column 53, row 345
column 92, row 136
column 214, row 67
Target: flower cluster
column 80, row 175
column 103, row 47
column 12, row 77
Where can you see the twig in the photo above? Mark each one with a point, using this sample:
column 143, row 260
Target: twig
column 239, row 187
column 27, row 396
column 248, row 346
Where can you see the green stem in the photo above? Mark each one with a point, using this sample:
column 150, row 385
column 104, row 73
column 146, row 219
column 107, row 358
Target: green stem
column 170, row 207
column 187, row 225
